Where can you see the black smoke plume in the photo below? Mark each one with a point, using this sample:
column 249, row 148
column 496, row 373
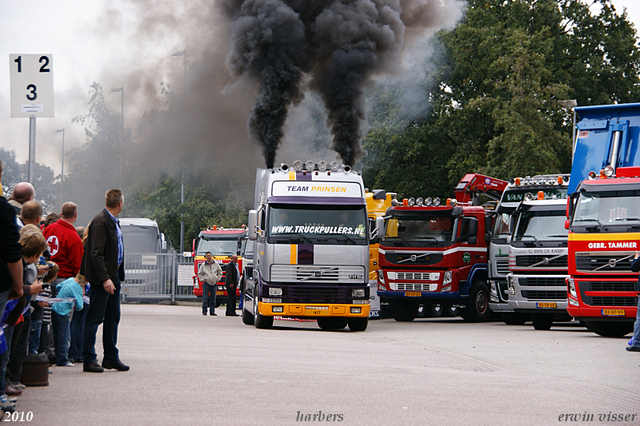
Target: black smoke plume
column 338, row 44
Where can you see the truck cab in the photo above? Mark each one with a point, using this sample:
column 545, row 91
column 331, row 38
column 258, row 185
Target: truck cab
column 538, row 262
column 553, row 186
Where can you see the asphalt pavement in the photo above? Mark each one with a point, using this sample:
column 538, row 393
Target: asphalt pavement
column 188, row 369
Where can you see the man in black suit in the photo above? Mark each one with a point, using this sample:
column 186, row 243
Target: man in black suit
column 231, row 281
column 103, row 266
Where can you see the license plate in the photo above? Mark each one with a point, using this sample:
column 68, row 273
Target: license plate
column 219, row 293
column 412, row 294
column 546, row 305
column 613, row 312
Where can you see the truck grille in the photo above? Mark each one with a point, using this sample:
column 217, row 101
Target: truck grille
column 420, row 258
column 317, row 274
column 613, row 301
column 416, row 287
column 543, row 281
column 502, row 266
column 544, row 295
column 527, row 261
column 604, row 264
column 317, row 294
column 610, row 286
column 426, row 276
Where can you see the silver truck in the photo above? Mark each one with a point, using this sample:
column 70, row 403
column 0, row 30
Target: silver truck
column 311, row 254
column 538, row 262
column 518, row 190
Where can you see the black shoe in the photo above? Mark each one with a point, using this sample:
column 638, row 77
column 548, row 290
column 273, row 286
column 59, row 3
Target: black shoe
column 213, row 314
column 204, row 313
column 633, row 349
column 232, row 315
column 117, row 365
column 92, row 367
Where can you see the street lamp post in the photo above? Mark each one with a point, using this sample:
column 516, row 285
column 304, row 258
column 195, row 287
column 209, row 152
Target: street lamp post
column 182, row 53
column 571, row 104
column 62, row 167
column 120, row 89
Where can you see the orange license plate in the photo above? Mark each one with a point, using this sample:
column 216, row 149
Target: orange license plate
column 219, row 293
column 546, row 305
column 412, row 294
column 613, row 312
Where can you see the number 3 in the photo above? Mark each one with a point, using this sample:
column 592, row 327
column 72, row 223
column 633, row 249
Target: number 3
column 32, row 95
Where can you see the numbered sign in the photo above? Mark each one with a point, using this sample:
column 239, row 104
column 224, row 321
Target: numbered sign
column 31, row 85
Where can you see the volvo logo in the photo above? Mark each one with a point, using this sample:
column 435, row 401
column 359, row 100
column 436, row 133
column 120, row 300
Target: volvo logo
column 413, row 257
column 612, row 263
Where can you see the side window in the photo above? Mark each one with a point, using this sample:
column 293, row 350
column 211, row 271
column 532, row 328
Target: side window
column 261, row 218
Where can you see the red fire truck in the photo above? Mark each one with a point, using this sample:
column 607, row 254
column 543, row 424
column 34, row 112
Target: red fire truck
column 222, row 243
column 437, row 254
column 604, row 219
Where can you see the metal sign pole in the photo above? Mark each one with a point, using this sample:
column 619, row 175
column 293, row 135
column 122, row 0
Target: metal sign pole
column 32, row 149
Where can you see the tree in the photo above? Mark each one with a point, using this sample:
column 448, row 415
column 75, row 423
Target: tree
column 496, row 89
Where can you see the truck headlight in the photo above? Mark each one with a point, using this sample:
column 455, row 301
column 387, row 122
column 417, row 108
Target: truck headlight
column 357, row 292
column 493, row 292
column 448, row 277
column 381, row 276
column 572, row 288
column 271, row 300
column 275, row 291
column 511, row 282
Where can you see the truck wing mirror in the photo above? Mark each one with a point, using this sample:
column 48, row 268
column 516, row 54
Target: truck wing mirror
column 566, row 224
column 376, row 233
column 253, row 225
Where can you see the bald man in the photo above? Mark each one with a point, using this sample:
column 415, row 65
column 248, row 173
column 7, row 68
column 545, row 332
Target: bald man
column 30, row 214
column 21, row 193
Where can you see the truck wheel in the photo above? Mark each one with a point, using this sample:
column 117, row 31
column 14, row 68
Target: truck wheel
column 514, row 318
column 403, row 310
column 332, row 323
column 258, row 320
column 610, row 329
column 247, row 317
column 477, row 307
column 358, row 324
column 542, row 321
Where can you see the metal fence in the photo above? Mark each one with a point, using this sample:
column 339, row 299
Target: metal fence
column 157, row 277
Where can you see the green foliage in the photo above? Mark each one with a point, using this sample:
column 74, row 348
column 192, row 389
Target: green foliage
column 495, row 93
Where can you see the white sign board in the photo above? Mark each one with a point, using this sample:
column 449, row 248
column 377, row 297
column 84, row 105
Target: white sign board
column 316, row 189
column 31, row 85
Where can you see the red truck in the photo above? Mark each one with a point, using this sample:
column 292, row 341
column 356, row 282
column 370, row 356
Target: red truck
column 433, row 254
column 222, row 243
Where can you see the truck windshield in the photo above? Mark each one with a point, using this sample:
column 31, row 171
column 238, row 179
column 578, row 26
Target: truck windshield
column 318, row 224
column 218, row 247
column 140, row 239
column 420, row 227
column 541, row 225
column 611, row 207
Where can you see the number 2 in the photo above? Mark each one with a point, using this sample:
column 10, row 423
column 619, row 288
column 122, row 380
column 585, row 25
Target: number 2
column 44, row 68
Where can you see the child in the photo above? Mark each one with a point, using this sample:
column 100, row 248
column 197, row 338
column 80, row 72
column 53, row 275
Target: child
column 17, row 320
column 69, row 288
column 41, row 315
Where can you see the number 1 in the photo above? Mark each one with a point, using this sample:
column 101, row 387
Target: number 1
column 18, row 60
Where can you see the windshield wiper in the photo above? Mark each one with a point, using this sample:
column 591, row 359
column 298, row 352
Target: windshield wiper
column 557, row 236
column 531, row 236
column 595, row 220
column 626, row 218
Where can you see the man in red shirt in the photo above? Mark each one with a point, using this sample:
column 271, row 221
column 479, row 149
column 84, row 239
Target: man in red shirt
column 65, row 244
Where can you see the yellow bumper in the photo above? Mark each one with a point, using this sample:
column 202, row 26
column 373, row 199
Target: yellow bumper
column 312, row 310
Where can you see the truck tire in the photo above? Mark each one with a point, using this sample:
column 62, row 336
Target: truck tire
column 247, row 317
column 258, row 320
column 358, row 324
column 332, row 323
column 542, row 321
column 514, row 318
column 403, row 310
column 610, row 329
column 477, row 307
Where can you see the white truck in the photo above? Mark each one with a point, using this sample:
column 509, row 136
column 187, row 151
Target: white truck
column 311, row 247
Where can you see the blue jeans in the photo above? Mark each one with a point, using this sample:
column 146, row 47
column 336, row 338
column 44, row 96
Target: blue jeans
column 61, row 336
column 209, row 297
column 4, row 296
column 636, row 326
column 34, row 336
column 77, row 331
